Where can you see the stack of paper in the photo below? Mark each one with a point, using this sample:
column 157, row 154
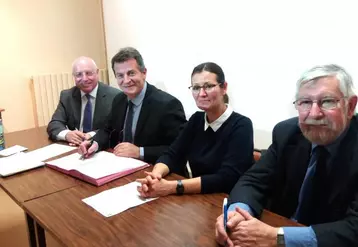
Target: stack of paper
column 99, row 169
column 25, row 161
column 116, row 200
column 12, row 150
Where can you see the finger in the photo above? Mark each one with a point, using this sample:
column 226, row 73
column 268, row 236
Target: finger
column 149, row 179
column 244, row 213
column 229, row 243
column 145, row 188
column 234, row 220
column 141, row 180
column 82, row 149
column 220, row 233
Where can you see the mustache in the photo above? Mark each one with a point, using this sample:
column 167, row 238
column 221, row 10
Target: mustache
column 311, row 121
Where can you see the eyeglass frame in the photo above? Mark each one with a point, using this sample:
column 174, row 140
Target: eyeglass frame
column 319, row 103
column 206, row 86
column 79, row 75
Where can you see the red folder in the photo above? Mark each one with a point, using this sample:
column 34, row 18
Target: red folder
column 98, row 181
column 110, row 168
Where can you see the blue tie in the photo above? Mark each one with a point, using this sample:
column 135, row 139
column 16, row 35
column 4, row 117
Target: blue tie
column 313, row 188
column 128, row 136
column 87, row 115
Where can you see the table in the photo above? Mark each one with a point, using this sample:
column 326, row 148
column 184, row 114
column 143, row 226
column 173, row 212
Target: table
column 52, row 202
column 35, row 183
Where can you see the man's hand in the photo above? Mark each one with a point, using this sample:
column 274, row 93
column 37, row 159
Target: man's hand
column 126, row 149
column 233, row 221
column 153, row 185
column 252, row 232
column 75, row 137
column 86, row 150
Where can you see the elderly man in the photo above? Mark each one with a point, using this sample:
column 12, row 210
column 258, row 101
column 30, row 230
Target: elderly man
column 309, row 173
column 144, row 119
column 83, row 108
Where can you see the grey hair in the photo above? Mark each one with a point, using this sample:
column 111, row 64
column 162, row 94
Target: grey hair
column 127, row 53
column 317, row 72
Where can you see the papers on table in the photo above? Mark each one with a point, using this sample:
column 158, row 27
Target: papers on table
column 12, row 150
column 50, row 151
column 116, row 200
column 100, row 165
column 25, row 161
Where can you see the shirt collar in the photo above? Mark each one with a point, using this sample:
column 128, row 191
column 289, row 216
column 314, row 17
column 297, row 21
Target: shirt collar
column 140, row 97
column 218, row 122
column 93, row 93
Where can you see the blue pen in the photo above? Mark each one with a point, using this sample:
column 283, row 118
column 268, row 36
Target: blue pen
column 225, row 212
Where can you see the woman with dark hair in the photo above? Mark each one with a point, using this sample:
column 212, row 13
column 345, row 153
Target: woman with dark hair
column 217, row 142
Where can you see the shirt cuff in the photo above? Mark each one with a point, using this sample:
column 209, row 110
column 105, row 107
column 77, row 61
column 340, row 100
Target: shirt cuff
column 300, row 237
column 92, row 133
column 62, row 135
column 242, row 206
column 141, row 153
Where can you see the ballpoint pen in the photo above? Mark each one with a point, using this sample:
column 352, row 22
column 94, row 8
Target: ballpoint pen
column 90, row 144
column 225, row 212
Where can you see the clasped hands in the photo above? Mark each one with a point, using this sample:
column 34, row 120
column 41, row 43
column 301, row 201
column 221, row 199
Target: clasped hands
column 244, row 231
column 153, row 185
column 76, row 137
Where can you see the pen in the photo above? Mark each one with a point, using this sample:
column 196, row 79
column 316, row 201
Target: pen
column 225, row 212
column 90, row 144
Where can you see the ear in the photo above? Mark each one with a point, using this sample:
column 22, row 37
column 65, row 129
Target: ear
column 145, row 72
column 352, row 102
column 224, row 88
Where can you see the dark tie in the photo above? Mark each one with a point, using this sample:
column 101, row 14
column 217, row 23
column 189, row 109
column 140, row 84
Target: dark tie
column 128, row 136
column 87, row 115
column 314, row 188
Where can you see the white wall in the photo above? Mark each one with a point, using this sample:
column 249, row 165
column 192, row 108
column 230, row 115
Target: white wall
column 262, row 46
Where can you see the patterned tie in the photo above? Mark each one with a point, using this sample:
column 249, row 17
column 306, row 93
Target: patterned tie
column 87, row 115
column 128, row 136
column 313, row 191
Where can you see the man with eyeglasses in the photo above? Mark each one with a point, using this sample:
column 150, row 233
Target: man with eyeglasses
column 144, row 120
column 309, row 173
column 82, row 109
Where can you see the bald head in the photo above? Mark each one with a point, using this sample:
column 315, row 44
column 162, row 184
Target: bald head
column 85, row 74
column 84, row 61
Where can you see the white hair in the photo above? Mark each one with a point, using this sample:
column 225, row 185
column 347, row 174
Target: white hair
column 317, row 72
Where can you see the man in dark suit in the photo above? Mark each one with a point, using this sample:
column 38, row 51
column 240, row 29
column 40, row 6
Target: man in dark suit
column 83, row 108
column 308, row 174
column 144, row 120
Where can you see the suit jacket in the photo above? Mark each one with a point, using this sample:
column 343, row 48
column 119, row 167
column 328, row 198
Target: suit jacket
column 275, row 181
column 160, row 120
column 68, row 111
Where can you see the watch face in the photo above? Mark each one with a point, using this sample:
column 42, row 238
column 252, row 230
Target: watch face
column 280, row 240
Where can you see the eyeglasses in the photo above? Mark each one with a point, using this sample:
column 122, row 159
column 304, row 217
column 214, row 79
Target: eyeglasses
column 207, row 88
column 79, row 75
column 323, row 104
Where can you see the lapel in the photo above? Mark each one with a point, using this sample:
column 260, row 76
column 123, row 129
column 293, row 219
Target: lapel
column 145, row 110
column 342, row 164
column 296, row 162
column 77, row 107
column 100, row 105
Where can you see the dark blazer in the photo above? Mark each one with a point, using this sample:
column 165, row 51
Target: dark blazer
column 275, row 181
column 160, row 120
column 68, row 111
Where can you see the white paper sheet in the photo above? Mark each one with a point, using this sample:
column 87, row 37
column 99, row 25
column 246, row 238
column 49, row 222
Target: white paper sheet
column 17, row 163
column 98, row 166
column 49, row 151
column 25, row 161
column 116, row 200
column 12, row 150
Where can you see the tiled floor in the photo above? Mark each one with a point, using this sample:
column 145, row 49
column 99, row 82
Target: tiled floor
column 13, row 232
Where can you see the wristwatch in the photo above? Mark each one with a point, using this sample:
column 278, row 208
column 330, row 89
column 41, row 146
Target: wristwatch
column 280, row 238
column 180, row 188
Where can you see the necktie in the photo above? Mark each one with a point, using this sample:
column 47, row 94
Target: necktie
column 87, row 115
column 314, row 187
column 128, row 136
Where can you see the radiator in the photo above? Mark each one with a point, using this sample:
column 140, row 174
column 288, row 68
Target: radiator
column 46, row 93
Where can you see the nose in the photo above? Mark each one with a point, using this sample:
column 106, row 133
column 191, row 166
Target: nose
column 126, row 79
column 202, row 92
column 315, row 111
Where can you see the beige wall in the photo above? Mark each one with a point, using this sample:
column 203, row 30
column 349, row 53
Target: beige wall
column 40, row 37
